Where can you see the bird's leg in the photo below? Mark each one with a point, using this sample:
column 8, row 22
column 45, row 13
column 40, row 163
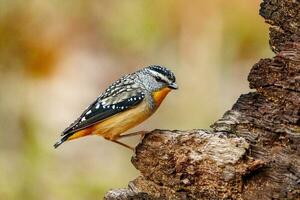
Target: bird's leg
column 115, row 140
column 124, row 145
column 133, row 134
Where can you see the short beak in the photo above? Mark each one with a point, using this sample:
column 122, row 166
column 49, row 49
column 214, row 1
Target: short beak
column 173, row 86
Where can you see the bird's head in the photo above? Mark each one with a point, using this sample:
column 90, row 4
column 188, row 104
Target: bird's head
column 159, row 78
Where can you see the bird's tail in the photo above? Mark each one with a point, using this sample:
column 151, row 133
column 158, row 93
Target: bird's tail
column 72, row 136
column 62, row 140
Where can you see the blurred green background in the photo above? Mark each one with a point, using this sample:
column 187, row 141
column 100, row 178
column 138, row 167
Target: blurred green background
column 57, row 56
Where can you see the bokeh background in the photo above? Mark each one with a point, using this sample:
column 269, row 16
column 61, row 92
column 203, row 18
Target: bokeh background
column 57, row 56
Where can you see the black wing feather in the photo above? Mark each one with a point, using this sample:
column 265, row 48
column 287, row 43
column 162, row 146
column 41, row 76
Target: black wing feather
column 122, row 95
column 96, row 112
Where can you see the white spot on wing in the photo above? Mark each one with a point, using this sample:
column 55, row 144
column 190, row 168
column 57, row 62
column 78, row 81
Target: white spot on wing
column 88, row 112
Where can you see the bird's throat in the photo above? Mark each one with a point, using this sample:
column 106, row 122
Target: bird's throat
column 160, row 95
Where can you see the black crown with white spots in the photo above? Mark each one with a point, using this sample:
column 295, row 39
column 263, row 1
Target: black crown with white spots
column 164, row 71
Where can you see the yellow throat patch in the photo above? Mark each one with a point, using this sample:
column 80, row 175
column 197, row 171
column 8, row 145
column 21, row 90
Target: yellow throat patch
column 160, row 95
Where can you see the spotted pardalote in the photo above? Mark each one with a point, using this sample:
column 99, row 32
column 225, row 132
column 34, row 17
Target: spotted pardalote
column 124, row 104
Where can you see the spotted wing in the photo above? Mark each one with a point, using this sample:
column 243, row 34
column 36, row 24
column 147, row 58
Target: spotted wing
column 117, row 98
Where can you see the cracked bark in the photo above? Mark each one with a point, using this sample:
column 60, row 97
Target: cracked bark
column 253, row 151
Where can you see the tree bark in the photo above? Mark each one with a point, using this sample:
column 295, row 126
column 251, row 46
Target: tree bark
column 253, row 151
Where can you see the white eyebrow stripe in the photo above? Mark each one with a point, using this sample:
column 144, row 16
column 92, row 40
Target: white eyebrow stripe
column 155, row 73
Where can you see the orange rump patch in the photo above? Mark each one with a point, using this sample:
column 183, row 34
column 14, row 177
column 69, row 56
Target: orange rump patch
column 82, row 133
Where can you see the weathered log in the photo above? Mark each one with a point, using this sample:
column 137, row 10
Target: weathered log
column 253, row 151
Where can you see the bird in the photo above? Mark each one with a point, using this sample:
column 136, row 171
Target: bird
column 123, row 105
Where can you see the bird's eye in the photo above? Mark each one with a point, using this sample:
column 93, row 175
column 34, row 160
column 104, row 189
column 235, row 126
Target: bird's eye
column 158, row 79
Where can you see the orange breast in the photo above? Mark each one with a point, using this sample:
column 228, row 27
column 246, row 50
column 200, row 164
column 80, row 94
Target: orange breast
column 159, row 96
